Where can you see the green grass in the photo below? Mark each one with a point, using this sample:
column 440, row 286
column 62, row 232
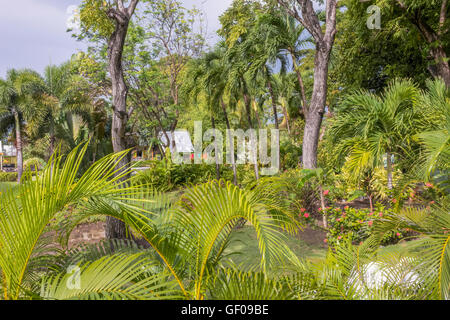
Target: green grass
column 244, row 242
column 404, row 248
column 4, row 186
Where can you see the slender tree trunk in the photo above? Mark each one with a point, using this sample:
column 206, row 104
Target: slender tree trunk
column 18, row 146
column 274, row 105
column 52, row 138
column 275, row 113
column 389, row 171
column 286, row 115
column 371, row 203
column 230, row 141
column 250, row 123
column 324, row 209
column 116, row 229
column 301, row 84
column 213, row 124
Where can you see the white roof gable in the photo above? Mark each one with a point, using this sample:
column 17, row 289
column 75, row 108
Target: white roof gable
column 183, row 143
column 8, row 150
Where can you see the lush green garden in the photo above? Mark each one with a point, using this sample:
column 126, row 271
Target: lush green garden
column 356, row 209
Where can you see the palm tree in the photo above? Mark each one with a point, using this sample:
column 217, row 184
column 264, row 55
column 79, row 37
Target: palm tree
column 288, row 95
column 283, row 35
column 20, row 97
column 198, row 82
column 187, row 241
column 238, row 87
column 436, row 137
column 369, row 128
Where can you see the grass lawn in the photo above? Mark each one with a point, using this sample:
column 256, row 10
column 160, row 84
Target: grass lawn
column 404, row 247
column 244, row 241
column 7, row 185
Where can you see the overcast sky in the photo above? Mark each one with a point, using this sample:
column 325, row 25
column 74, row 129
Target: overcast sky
column 34, row 31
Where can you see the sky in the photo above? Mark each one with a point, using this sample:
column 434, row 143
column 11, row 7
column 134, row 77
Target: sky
column 34, row 31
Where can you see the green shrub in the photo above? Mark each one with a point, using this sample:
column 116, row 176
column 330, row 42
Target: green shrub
column 8, row 176
column 356, row 225
column 164, row 175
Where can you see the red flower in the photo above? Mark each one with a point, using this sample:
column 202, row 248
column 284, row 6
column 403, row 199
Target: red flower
column 370, row 223
column 371, row 213
column 429, row 185
column 346, row 207
column 338, row 219
column 398, row 234
column 381, row 214
column 320, row 209
column 302, row 209
column 325, row 240
column 306, row 215
column 340, row 237
column 394, row 200
column 326, row 192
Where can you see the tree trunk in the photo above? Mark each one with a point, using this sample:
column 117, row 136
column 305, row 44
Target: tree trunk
column 233, row 160
column 316, row 109
column 324, row 209
column 116, row 229
column 442, row 66
column 52, row 137
column 250, row 123
column 213, row 124
column 275, row 113
column 433, row 38
column 18, row 146
column 371, row 203
column 301, row 84
column 389, row 171
column 286, row 114
column 324, row 40
column 274, row 105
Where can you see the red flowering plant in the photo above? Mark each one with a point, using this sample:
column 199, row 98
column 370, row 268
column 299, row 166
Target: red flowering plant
column 356, row 225
column 305, row 216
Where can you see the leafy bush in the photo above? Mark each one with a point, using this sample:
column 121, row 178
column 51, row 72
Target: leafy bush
column 356, row 225
column 8, row 176
column 290, row 155
column 164, row 175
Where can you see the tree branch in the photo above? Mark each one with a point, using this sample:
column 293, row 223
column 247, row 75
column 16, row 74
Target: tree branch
column 132, row 7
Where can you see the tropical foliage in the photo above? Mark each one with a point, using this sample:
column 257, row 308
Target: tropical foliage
column 363, row 117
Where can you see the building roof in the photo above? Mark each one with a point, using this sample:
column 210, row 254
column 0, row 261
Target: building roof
column 183, row 143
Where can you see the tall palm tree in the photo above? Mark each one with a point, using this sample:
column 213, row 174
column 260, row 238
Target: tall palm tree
column 74, row 111
column 238, row 86
column 20, row 97
column 283, row 35
column 369, row 128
